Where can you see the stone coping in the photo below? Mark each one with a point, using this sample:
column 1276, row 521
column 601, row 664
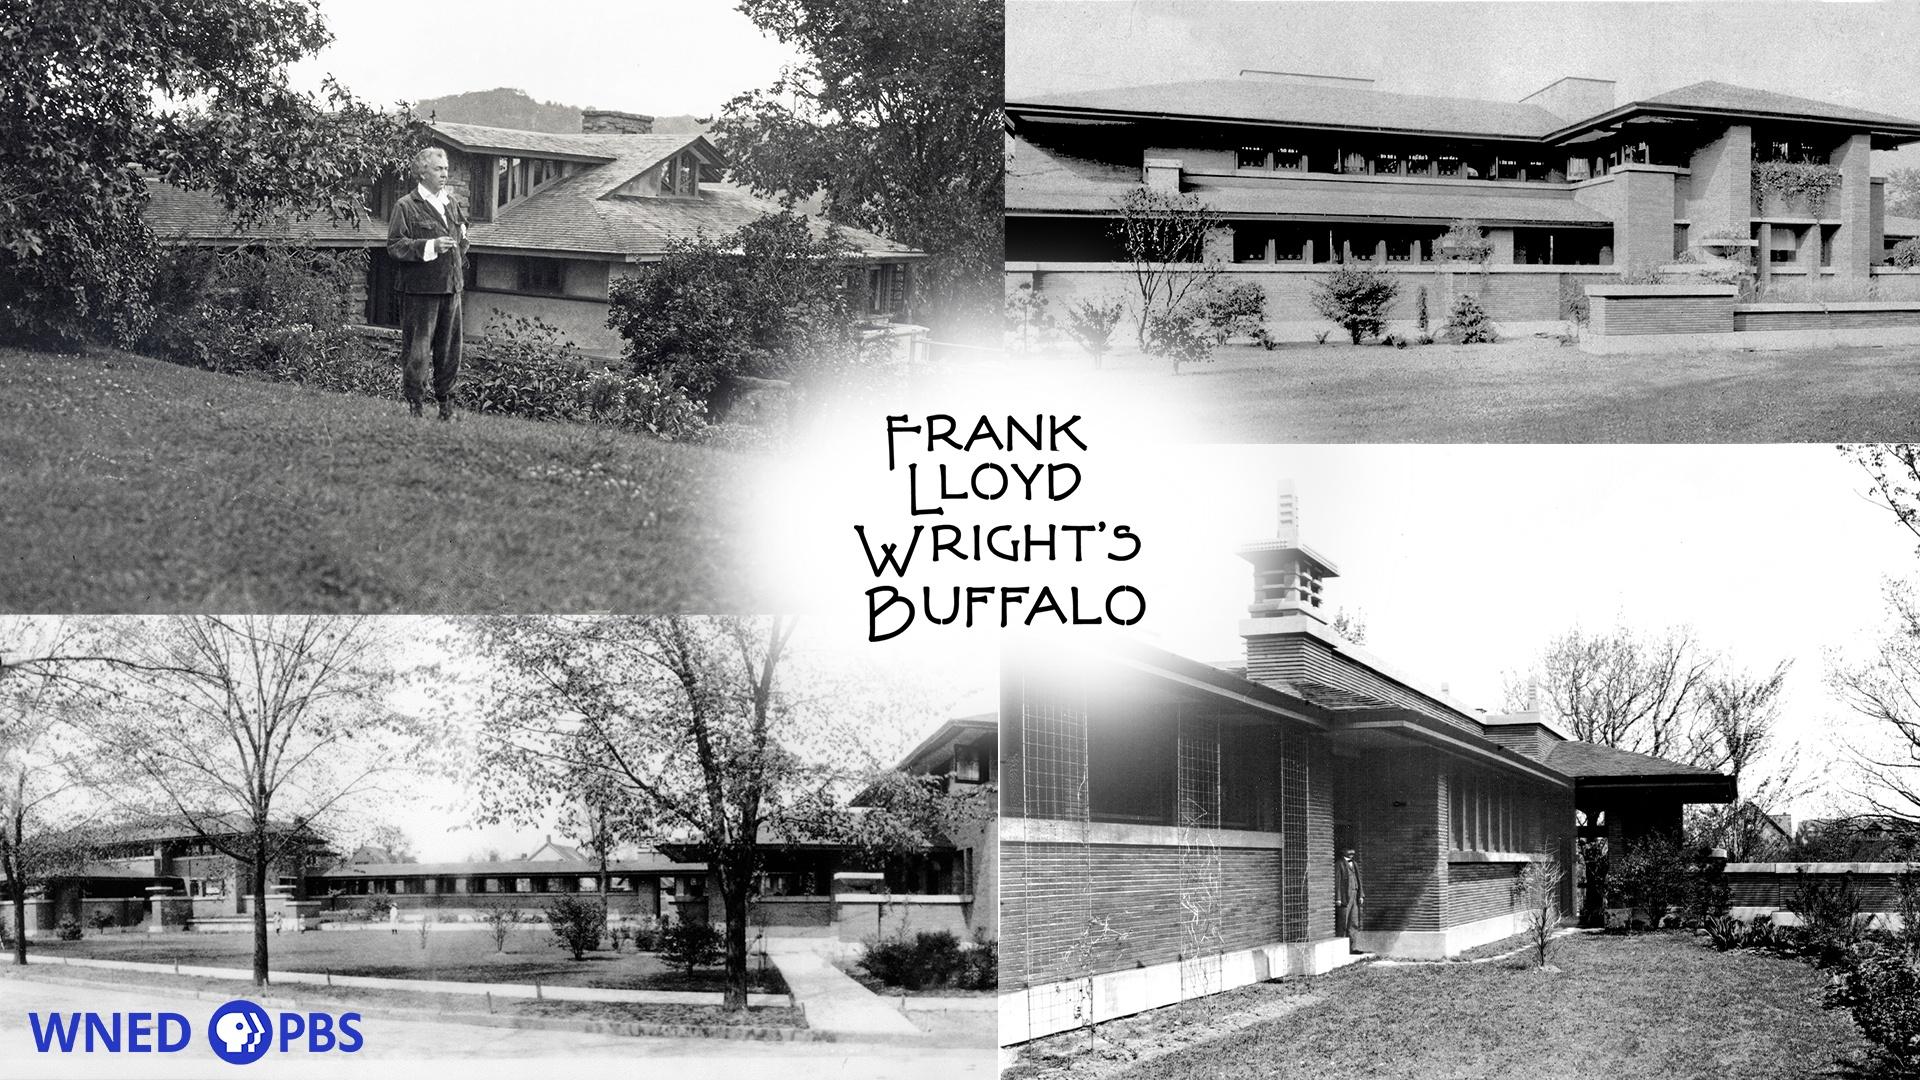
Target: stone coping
column 1821, row 867
column 1677, row 288
column 903, row 898
column 1833, row 305
column 1024, row 830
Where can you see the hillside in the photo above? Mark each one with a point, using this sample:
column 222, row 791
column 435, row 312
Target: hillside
column 136, row 485
column 510, row 108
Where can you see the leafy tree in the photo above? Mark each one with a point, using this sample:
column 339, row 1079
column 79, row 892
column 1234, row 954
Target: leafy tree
column 1734, row 733
column 391, row 839
column 577, row 923
column 770, row 300
column 250, row 729
column 1090, row 323
column 500, row 922
column 100, row 94
column 46, row 825
column 1163, row 239
column 1356, row 298
column 893, row 112
column 1903, row 192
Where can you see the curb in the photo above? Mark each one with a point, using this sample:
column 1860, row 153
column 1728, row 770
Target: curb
column 633, row 1028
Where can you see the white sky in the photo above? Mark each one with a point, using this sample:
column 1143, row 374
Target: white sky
column 1849, row 54
column 437, row 812
column 1466, row 560
column 649, row 56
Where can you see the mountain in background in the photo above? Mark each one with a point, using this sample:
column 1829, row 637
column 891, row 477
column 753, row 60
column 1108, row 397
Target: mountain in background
column 510, row 108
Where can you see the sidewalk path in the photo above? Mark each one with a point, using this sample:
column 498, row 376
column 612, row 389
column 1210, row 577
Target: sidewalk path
column 833, row 1002
column 426, row 986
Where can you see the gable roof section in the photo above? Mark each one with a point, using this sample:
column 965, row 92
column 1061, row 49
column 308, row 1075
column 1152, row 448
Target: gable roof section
column 1305, row 105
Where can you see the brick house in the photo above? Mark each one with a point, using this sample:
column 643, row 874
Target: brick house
column 554, row 219
column 1170, row 828
column 1572, row 185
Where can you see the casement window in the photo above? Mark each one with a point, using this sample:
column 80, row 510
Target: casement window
column 1131, row 760
column 515, row 178
column 1447, row 165
column 969, row 765
column 1289, row 159
column 1253, row 157
column 547, row 277
column 1250, row 244
column 1488, row 814
column 680, row 175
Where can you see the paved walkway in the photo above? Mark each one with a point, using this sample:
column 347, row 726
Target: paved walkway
column 833, row 1002
column 413, row 1049
column 426, row 986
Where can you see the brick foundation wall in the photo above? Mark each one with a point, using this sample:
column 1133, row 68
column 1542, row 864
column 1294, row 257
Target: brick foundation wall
column 1072, row 910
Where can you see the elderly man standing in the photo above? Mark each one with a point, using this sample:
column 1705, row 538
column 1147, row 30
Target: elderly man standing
column 427, row 237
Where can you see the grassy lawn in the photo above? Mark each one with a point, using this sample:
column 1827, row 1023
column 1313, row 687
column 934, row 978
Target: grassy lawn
column 1617, row 1008
column 454, row 955
column 756, row 1016
column 136, row 485
column 1532, row 390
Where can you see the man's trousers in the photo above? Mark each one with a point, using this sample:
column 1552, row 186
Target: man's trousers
column 429, row 344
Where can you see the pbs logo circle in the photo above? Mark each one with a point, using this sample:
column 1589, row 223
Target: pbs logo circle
column 239, row 1032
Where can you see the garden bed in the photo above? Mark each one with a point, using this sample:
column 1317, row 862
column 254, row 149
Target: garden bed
column 1650, row 1005
column 455, row 956
column 858, row 974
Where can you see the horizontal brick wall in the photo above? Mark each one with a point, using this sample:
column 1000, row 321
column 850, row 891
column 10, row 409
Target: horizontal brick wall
column 1774, row 884
column 1517, row 294
column 1071, row 910
column 1616, row 315
column 1478, row 891
column 1853, row 319
column 1392, row 799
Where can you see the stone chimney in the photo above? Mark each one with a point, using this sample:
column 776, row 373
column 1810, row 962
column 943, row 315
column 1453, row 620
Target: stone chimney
column 1574, row 98
column 614, row 122
column 1161, row 174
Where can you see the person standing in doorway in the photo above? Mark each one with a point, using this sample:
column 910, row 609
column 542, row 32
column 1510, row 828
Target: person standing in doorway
column 427, row 238
column 1348, row 895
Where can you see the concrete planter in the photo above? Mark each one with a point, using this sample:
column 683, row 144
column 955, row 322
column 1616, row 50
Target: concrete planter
column 1770, row 205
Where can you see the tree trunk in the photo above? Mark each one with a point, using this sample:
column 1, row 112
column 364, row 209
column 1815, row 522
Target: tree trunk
column 258, row 872
column 17, row 891
column 736, row 877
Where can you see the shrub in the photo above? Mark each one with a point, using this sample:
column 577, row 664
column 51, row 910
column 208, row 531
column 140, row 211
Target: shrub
column 980, row 965
column 1421, row 306
column 1725, row 932
column 526, row 367
column 1907, row 906
column 1650, row 875
column 1356, row 299
column 272, row 309
column 1829, row 913
column 690, row 943
column 100, row 920
column 1641, row 274
column 1029, row 323
column 69, row 929
column 1883, row 993
column 1179, row 336
column 500, row 923
column 929, row 958
column 645, row 933
column 1239, row 311
column 1465, row 239
column 1574, row 306
column 1905, row 254
column 577, row 923
column 769, row 300
column 1091, row 322
column 1468, row 324
column 1537, row 887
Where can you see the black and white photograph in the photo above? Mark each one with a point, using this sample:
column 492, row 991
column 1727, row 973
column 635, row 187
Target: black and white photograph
column 1446, row 763
column 339, row 306
column 1472, row 222
column 716, row 846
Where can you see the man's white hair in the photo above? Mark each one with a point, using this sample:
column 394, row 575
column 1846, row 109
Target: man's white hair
column 420, row 159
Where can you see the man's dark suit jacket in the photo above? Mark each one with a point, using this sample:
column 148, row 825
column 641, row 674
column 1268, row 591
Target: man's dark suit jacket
column 412, row 224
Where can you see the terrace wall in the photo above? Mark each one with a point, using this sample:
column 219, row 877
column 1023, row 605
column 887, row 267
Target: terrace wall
column 1768, row 888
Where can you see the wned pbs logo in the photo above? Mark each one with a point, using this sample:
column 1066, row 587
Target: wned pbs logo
column 241, row 1032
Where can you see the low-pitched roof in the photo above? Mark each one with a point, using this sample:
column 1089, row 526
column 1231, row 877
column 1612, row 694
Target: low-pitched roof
column 1726, row 97
column 1896, row 225
column 1309, row 105
column 514, row 868
column 198, row 217
column 1588, row 760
